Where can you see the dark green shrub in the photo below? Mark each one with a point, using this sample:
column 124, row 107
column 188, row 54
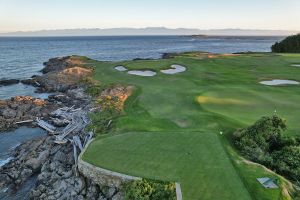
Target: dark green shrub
column 290, row 44
column 149, row 190
column 262, row 137
column 263, row 143
column 102, row 121
column 287, row 162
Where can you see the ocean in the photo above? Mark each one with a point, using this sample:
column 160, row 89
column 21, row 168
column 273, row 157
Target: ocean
column 23, row 57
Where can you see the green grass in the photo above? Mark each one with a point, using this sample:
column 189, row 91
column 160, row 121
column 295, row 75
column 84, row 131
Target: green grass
column 166, row 134
column 195, row 159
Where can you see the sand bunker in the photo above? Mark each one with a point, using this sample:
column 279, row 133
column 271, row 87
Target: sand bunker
column 174, row 69
column 279, row 82
column 142, row 73
column 295, row 65
column 121, row 68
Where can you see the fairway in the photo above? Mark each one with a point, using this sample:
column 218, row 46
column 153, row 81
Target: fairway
column 171, row 126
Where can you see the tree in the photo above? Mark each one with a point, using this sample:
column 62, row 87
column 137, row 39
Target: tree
column 262, row 137
column 287, row 161
column 290, row 44
column 262, row 142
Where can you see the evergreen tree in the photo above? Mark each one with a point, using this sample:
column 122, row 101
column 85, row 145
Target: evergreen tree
column 290, row 44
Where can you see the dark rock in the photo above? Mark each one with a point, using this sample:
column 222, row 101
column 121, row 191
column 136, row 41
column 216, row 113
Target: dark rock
column 137, row 59
column 8, row 113
column 55, row 64
column 31, row 81
column 36, row 163
column 9, row 82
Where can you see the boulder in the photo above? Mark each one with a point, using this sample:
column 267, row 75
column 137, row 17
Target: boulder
column 8, row 113
column 36, row 163
column 24, row 107
column 9, row 82
column 60, row 157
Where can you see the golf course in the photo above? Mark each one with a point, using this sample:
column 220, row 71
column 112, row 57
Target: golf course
column 178, row 127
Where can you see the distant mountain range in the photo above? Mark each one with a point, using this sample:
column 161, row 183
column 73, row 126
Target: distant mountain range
column 149, row 31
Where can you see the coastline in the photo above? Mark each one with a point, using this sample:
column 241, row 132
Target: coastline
column 52, row 167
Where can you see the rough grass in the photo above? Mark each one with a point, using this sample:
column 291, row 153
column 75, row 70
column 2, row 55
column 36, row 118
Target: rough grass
column 166, row 134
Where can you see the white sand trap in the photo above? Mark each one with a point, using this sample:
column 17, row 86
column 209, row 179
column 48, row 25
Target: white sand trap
column 174, row 69
column 279, row 82
column 142, row 73
column 121, row 68
column 295, row 65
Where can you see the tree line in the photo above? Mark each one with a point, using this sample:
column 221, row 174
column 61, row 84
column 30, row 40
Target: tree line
column 290, row 44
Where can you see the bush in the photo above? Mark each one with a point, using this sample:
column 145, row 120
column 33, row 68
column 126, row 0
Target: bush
column 149, row 190
column 263, row 143
column 287, row 162
column 290, row 44
column 262, row 137
column 101, row 122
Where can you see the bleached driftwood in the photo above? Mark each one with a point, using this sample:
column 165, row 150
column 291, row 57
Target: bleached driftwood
column 77, row 141
column 45, row 125
column 25, row 121
column 87, row 138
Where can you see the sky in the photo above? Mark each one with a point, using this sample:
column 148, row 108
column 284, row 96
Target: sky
column 30, row 15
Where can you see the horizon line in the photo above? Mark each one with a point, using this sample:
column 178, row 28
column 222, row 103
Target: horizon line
column 148, row 27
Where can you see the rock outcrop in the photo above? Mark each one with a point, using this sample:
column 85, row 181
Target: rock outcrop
column 23, row 108
column 52, row 164
column 60, row 75
column 8, row 82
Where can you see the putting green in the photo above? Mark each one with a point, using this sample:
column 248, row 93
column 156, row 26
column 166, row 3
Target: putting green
column 171, row 126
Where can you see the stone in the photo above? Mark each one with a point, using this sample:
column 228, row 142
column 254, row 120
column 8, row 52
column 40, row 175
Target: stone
column 36, row 163
column 79, row 184
column 111, row 192
column 118, row 196
column 24, row 107
column 8, row 82
column 8, row 113
column 59, row 156
column 26, row 172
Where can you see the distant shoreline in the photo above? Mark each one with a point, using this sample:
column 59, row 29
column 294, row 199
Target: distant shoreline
column 150, row 31
column 128, row 36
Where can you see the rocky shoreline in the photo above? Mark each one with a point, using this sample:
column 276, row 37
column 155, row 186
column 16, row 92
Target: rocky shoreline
column 52, row 164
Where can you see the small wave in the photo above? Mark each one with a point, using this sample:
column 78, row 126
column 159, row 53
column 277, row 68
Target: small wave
column 15, row 146
column 5, row 161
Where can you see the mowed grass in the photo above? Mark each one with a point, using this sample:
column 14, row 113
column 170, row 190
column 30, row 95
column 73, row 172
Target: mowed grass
column 194, row 159
column 170, row 129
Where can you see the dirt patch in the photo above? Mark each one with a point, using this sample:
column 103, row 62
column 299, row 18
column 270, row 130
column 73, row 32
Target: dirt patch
column 115, row 97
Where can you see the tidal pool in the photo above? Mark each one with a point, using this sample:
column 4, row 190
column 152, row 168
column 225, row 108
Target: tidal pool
column 11, row 139
column 20, row 89
column 8, row 142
